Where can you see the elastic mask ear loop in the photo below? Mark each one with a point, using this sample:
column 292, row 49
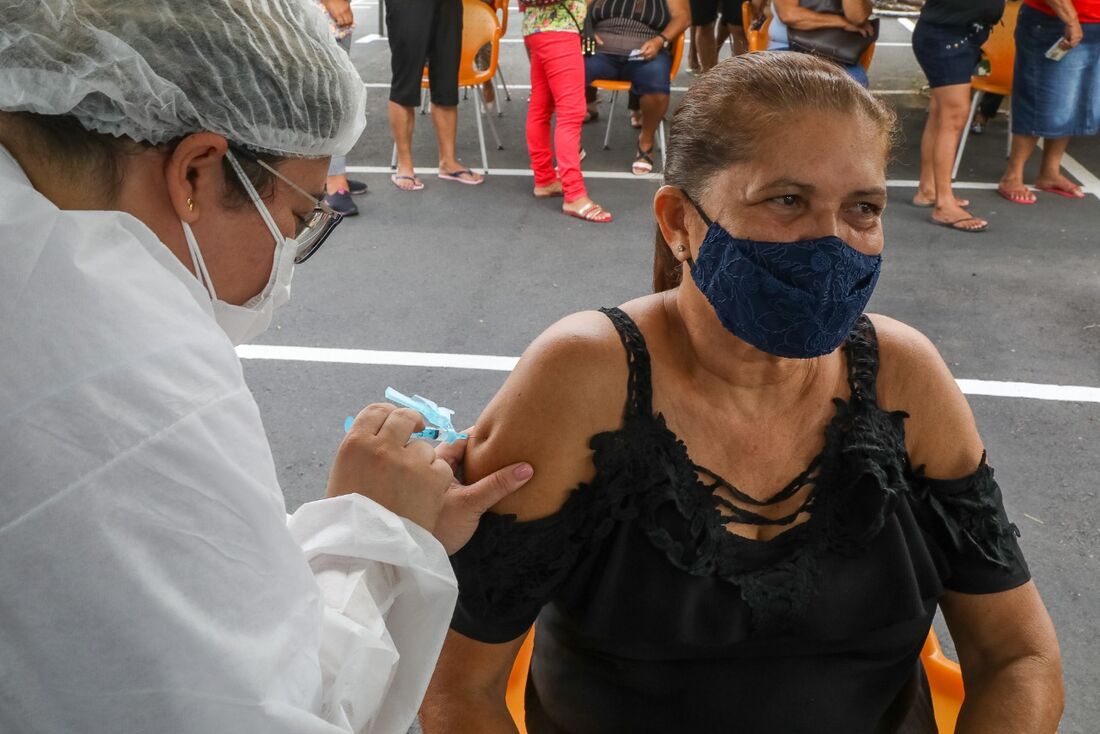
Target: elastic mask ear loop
column 196, row 260
column 255, row 196
column 706, row 220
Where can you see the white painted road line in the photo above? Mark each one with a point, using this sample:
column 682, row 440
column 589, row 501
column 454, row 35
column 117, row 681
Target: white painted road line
column 628, row 176
column 371, row 356
column 889, row 92
column 907, row 24
column 993, row 388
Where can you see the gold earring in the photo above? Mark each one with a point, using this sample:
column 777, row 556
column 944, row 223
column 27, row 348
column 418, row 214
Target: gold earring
column 190, row 204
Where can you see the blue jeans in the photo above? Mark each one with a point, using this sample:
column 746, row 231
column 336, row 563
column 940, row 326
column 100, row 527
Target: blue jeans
column 1054, row 99
column 645, row 77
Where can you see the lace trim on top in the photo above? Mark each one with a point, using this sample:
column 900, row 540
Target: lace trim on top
column 645, row 475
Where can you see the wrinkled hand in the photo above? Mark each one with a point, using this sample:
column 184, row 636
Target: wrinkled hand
column 463, row 505
column 378, row 461
column 652, row 47
column 340, row 12
column 864, row 29
column 1072, row 36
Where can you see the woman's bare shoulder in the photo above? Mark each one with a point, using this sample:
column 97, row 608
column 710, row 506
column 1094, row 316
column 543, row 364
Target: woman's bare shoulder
column 941, row 433
column 569, row 384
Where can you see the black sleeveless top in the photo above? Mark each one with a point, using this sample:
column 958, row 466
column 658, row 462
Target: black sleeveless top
column 653, row 617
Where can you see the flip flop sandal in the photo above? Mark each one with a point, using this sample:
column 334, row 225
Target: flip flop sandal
column 955, row 225
column 1076, row 193
column 418, row 185
column 1017, row 198
column 591, row 212
column 961, row 202
column 643, row 163
column 457, row 177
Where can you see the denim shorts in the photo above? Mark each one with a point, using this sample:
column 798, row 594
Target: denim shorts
column 645, row 77
column 1054, row 99
column 948, row 53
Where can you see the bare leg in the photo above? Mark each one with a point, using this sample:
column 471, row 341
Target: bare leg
column 693, row 54
column 738, row 38
column 337, row 183
column 402, row 121
column 1012, row 184
column 1050, row 170
column 445, row 121
column 953, row 107
column 721, row 33
column 704, row 39
column 654, row 107
column 926, row 188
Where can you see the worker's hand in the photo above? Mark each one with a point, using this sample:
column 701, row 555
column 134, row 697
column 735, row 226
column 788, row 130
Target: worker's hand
column 340, row 12
column 464, row 505
column 378, row 461
column 1072, row 36
column 652, row 47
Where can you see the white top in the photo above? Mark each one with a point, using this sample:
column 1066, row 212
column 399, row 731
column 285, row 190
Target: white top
column 150, row 580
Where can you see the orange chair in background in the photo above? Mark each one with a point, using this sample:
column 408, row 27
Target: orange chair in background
column 758, row 39
column 480, row 28
column 944, row 678
column 501, row 8
column 615, row 86
column 1000, row 49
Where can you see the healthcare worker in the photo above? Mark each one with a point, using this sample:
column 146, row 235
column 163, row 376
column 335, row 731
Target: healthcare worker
column 161, row 164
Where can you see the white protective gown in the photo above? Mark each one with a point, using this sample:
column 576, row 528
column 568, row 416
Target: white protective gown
column 150, row 580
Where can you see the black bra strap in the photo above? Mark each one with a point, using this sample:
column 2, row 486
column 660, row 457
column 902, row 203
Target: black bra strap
column 861, row 351
column 639, row 386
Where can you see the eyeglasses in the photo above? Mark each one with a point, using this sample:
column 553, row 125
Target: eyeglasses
column 312, row 232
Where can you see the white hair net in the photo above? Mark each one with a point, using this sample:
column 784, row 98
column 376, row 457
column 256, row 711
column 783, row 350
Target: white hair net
column 266, row 74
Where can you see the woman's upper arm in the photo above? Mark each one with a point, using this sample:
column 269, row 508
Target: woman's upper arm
column 941, row 434
column 569, row 385
column 857, row 12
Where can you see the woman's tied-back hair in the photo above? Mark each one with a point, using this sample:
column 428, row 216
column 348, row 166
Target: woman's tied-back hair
column 721, row 117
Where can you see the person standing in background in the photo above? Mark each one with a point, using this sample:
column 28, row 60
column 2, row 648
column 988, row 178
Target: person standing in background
column 339, row 188
column 552, row 36
column 425, row 32
column 707, row 42
column 948, row 45
column 1052, row 98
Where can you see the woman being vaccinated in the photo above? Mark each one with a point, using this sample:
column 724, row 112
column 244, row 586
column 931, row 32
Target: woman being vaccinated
column 751, row 497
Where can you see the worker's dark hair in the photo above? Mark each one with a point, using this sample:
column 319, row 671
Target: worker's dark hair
column 719, row 119
column 70, row 147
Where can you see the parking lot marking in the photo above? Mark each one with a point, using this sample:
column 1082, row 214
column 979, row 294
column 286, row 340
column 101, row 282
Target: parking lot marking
column 492, row 363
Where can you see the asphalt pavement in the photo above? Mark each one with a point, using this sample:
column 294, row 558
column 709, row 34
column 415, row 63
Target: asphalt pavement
column 419, row 278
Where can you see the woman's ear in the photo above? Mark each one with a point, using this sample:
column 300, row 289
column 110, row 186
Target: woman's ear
column 669, row 207
column 193, row 173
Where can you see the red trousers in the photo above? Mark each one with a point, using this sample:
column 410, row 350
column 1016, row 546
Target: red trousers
column 557, row 88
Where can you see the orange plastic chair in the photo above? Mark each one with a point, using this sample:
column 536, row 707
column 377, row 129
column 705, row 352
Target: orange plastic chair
column 615, row 86
column 758, row 39
column 501, row 8
column 517, row 683
column 1000, row 49
column 944, row 678
column 946, row 682
column 480, row 28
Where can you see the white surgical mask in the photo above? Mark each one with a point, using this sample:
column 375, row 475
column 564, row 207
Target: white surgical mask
column 245, row 322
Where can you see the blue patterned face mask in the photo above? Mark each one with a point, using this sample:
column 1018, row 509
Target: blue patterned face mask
column 790, row 299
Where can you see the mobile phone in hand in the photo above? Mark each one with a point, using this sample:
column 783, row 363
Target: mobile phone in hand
column 1057, row 52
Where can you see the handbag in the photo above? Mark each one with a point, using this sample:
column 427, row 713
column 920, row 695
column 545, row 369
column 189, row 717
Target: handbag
column 837, row 44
